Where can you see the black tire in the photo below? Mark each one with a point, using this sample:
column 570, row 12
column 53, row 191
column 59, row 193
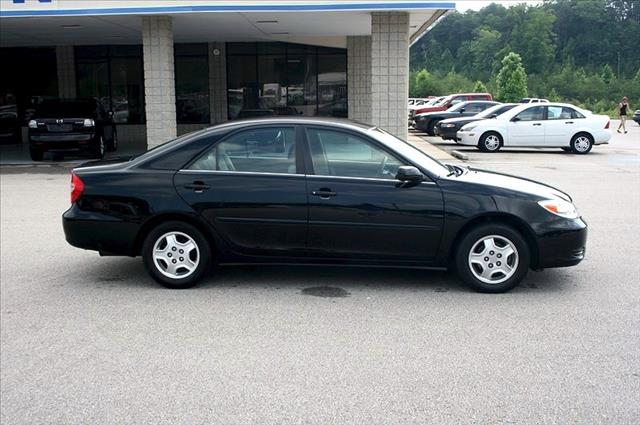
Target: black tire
column 113, row 144
column 98, row 150
column 581, row 143
column 36, row 154
column 502, row 232
column 153, row 267
column 430, row 127
column 487, row 142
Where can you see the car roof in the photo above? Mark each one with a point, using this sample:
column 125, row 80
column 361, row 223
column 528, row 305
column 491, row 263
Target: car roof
column 292, row 120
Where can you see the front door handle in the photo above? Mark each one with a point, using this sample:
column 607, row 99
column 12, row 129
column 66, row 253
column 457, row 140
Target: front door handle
column 568, row 122
column 537, row 123
column 197, row 186
column 324, row 193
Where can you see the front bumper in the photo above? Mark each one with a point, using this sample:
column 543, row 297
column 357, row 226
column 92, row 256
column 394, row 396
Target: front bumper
column 63, row 142
column 562, row 243
column 447, row 133
column 467, row 138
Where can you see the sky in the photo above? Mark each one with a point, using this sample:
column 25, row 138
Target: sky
column 462, row 5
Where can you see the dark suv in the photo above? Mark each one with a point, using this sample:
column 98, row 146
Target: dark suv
column 71, row 126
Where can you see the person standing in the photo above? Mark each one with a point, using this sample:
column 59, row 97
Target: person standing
column 623, row 107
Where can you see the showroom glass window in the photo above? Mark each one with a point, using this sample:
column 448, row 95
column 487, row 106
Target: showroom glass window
column 114, row 76
column 29, row 76
column 192, row 83
column 287, row 79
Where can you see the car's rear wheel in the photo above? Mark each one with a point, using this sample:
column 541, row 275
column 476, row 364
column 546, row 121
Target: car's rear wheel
column 36, row 154
column 581, row 143
column 493, row 258
column 431, row 127
column 490, row 142
column 176, row 255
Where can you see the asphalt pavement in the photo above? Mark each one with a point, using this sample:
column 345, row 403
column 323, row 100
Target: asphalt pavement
column 85, row 339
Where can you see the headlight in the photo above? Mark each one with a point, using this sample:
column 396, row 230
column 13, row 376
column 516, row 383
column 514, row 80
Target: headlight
column 33, row 124
column 89, row 122
column 447, row 125
column 559, row 207
column 468, row 127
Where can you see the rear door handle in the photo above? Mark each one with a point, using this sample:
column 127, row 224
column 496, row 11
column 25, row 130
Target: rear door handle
column 324, row 193
column 568, row 122
column 537, row 123
column 197, row 186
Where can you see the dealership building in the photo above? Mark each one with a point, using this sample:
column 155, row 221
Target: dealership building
column 165, row 68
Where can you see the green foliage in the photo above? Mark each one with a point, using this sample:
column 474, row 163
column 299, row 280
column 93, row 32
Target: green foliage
column 579, row 51
column 480, row 87
column 512, row 79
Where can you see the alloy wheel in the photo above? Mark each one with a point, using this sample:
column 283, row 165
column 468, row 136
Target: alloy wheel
column 493, row 259
column 582, row 144
column 492, row 142
column 176, row 255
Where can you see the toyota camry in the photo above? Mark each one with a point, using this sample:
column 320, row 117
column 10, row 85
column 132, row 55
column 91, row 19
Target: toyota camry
column 311, row 191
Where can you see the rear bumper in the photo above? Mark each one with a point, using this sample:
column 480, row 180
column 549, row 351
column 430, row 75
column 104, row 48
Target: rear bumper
column 562, row 243
column 99, row 232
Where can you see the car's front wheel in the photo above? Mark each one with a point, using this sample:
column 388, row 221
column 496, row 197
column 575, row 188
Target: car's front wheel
column 36, row 154
column 492, row 258
column 490, row 142
column 176, row 255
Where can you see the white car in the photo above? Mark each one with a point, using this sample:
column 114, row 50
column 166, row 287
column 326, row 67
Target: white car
column 533, row 100
column 549, row 125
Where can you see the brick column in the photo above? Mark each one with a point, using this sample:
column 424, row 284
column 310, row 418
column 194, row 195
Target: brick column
column 390, row 71
column 159, row 79
column 359, row 78
column 66, row 72
column 218, row 82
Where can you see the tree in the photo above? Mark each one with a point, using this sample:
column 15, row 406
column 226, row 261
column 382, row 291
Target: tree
column 607, row 74
column 479, row 87
column 512, row 79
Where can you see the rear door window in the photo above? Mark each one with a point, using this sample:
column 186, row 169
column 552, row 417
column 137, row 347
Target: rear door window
column 261, row 150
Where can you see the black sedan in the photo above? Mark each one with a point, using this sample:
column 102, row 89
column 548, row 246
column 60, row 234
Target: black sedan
column 448, row 128
column 317, row 192
column 427, row 122
column 71, row 126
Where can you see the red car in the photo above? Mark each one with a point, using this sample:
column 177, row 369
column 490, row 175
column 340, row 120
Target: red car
column 451, row 100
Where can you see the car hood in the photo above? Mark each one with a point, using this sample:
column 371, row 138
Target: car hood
column 510, row 183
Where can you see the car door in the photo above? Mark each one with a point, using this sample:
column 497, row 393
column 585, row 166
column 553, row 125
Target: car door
column 250, row 188
column 358, row 210
column 560, row 126
column 527, row 128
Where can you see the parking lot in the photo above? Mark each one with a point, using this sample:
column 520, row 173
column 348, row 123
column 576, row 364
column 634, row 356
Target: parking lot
column 86, row 339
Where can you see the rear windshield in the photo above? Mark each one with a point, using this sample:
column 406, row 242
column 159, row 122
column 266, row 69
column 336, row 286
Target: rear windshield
column 66, row 109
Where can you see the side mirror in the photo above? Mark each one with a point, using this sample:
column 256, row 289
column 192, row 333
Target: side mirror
column 409, row 174
column 461, row 110
column 493, row 116
column 515, row 119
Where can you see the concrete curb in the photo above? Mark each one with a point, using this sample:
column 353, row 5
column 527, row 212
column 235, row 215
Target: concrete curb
column 460, row 155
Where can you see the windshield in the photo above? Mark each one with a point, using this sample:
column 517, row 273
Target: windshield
column 493, row 110
column 410, row 152
column 66, row 109
column 457, row 107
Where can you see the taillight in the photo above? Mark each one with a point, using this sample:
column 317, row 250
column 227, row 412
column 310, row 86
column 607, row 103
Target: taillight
column 606, row 127
column 77, row 187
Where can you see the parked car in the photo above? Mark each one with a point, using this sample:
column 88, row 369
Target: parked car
column 426, row 122
column 341, row 193
column 534, row 125
column 533, row 100
column 73, row 126
column 10, row 128
column 636, row 116
column 448, row 128
column 451, row 100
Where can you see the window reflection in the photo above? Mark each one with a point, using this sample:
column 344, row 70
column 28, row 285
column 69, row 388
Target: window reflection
column 192, row 83
column 285, row 79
